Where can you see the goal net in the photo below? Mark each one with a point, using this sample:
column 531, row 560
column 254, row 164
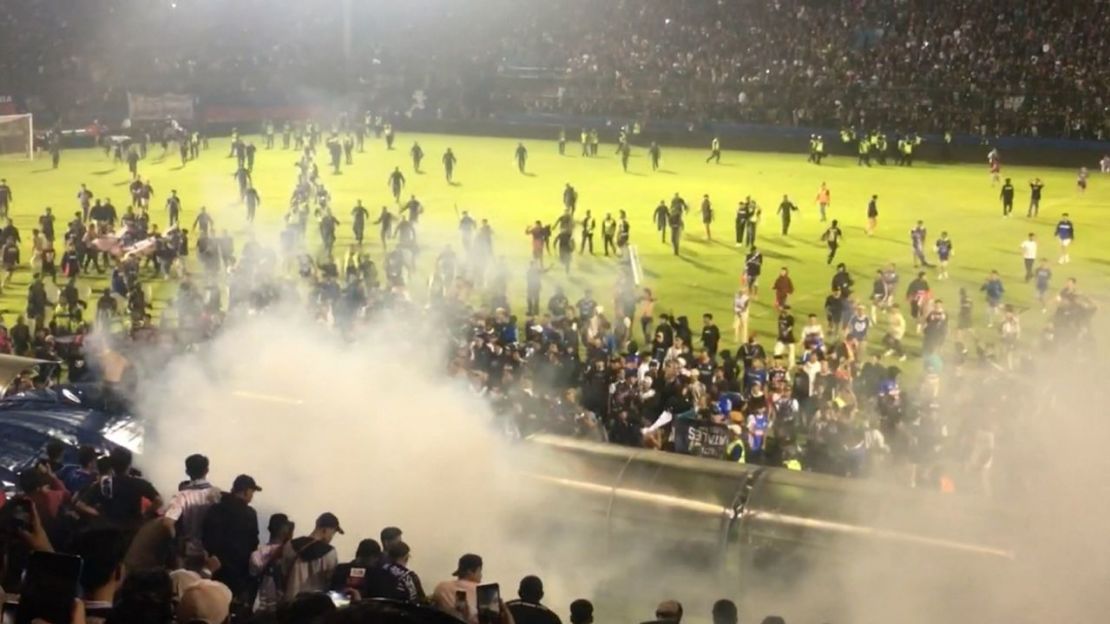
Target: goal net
column 17, row 136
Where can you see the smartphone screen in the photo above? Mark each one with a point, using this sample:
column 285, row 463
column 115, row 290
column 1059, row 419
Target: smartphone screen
column 460, row 604
column 489, row 603
column 20, row 515
column 339, row 599
column 49, row 588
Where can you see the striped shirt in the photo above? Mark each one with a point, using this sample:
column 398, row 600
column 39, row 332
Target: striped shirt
column 188, row 508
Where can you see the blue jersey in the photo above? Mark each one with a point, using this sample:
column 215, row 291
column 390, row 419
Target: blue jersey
column 1042, row 277
column 724, row 404
column 994, row 290
column 757, row 430
column 755, row 375
column 858, row 326
column 944, row 248
column 1065, row 230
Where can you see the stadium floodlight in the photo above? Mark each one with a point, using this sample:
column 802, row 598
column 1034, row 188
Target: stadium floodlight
column 17, row 136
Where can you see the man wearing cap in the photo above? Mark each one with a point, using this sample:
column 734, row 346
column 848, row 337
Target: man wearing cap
column 205, row 601
column 527, row 609
column 734, row 452
column 309, row 562
column 467, row 575
column 230, row 533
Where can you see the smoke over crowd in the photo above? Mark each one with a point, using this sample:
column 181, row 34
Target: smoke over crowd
column 376, row 433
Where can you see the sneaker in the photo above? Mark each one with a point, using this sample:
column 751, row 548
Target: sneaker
column 902, row 359
column 888, row 352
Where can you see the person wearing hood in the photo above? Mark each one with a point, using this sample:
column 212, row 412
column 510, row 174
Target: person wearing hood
column 309, row 562
column 230, row 533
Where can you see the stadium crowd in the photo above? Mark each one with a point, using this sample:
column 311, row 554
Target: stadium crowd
column 196, row 557
column 1026, row 67
column 824, row 393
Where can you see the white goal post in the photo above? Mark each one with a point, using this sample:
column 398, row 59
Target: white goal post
column 17, row 136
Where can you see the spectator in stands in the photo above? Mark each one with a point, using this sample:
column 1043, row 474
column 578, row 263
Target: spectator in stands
column 581, row 612
column 102, row 571
column 120, row 497
column 527, row 608
column 353, row 575
column 389, row 536
column 309, row 562
column 230, row 533
column 467, row 575
column 394, row 579
column 205, row 601
column 725, row 612
column 76, row 477
column 196, row 468
column 144, row 597
column 265, row 564
column 668, row 612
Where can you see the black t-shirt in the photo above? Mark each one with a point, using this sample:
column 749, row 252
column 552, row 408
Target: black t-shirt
column 120, row 498
column 786, row 328
column 531, row 613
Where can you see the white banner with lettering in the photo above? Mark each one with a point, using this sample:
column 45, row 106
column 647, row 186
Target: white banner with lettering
column 142, row 107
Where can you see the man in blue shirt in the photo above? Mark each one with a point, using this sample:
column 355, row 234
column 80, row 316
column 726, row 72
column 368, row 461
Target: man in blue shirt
column 1065, row 232
column 994, row 291
column 917, row 240
column 944, row 251
column 1041, row 277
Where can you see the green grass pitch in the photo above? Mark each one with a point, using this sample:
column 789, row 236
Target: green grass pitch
column 957, row 198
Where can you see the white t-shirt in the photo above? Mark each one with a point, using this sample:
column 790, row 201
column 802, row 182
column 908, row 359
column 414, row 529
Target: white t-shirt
column 1029, row 249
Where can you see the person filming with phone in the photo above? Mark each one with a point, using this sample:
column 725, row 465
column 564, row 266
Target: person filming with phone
column 465, row 598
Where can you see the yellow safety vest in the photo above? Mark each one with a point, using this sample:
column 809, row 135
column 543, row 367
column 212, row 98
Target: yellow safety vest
column 733, row 445
column 792, row 464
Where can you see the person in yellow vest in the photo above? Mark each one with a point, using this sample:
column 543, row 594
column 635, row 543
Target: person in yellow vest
column 820, row 149
column 907, row 152
column 735, row 451
column 585, row 142
column 864, row 148
column 880, row 144
column 790, row 458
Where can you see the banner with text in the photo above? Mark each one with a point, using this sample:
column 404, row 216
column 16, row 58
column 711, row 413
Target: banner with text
column 700, row 438
column 142, row 107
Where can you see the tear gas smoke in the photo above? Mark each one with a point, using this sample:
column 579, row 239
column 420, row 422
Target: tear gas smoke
column 376, row 433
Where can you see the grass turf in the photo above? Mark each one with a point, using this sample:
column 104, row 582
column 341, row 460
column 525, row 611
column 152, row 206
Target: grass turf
column 957, row 198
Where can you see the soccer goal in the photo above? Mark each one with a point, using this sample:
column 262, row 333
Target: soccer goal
column 17, row 136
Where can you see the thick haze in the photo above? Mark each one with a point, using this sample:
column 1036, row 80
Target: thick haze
column 377, row 434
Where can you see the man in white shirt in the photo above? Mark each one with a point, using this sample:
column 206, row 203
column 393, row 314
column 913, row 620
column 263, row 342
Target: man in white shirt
column 1029, row 254
column 448, row 595
column 740, row 304
column 896, row 331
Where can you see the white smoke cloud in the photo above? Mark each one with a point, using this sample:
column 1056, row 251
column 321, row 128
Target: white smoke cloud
column 378, row 434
